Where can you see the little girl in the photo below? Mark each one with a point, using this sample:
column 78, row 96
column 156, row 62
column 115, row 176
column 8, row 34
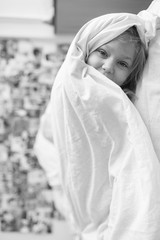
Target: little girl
column 109, row 170
column 122, row 60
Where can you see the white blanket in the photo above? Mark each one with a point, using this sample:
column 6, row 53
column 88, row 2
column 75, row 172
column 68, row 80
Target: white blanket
column 110, row 172
column 148, row 91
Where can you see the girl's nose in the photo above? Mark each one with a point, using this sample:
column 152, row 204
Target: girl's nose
column 108, row 66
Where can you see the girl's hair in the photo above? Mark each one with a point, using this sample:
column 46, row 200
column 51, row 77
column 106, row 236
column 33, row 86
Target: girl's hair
column 129, row 86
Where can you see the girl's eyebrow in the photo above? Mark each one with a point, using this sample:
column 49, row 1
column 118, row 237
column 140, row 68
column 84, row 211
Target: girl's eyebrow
column 127, row 58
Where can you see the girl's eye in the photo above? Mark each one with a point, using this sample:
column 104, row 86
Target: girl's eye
column 124, row 64
column 102, row 52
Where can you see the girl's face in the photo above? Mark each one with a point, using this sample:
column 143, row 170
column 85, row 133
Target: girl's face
column 114, row 60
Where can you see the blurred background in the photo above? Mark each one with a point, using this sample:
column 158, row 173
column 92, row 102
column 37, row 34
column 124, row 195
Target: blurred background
column 34, row 38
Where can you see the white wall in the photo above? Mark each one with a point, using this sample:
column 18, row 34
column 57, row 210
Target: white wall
column 26, row 18
column 72, row 14
column 33, row 9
